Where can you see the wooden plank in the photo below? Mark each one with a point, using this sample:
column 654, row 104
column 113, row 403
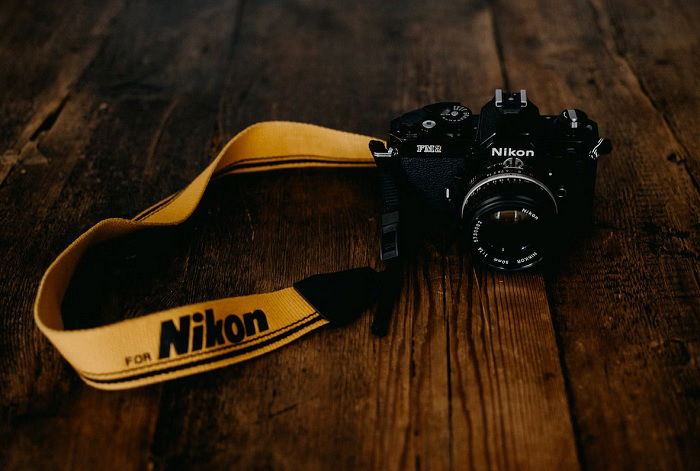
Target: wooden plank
column 507, row 388
column 342, row 398
column 626, row 299
column 147, row 97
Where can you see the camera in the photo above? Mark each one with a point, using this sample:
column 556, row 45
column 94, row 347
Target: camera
column 514, row 180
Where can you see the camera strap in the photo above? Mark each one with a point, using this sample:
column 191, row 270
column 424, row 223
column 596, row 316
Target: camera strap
column 200, row 337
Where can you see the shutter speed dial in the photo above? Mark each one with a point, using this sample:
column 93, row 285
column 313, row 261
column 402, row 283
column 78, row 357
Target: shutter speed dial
column 455, row 113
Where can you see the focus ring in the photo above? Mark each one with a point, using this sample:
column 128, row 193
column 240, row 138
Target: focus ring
column 505, row 176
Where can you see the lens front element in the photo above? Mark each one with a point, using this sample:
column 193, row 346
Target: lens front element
column 509, row 230
column 510, row 217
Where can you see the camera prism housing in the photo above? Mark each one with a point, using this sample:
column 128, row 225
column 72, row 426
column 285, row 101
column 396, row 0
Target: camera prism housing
column 513, row 177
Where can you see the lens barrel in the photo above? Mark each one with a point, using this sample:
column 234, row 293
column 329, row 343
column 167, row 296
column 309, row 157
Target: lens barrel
column 508, row 217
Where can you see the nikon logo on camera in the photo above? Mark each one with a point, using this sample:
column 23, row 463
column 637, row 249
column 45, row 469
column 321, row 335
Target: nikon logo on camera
column 197, row 331
column 510, row 152
column 432, row 148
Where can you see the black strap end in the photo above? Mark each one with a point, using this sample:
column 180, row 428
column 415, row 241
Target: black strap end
column 390, row 287
column 343, row 296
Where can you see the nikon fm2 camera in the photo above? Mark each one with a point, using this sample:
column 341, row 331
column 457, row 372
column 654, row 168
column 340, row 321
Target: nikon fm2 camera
column 512, row 177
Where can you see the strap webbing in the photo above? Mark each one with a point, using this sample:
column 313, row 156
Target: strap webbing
column 200, row 337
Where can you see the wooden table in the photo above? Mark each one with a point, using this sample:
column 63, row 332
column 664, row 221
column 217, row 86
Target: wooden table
column 106, row 107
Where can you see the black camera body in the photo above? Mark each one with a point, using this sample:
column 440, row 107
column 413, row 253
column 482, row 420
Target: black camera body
column 513, row 177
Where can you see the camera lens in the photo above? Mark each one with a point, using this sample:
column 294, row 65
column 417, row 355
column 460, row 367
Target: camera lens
column 508, row 218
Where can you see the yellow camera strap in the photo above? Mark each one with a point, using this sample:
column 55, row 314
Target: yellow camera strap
column 200, row 337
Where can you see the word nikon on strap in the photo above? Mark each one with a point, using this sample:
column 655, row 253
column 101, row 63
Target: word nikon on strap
column 200, row 337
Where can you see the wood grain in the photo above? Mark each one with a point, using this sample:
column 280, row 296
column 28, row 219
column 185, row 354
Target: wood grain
column 44, row 52
column 591, row 363
column 657, row 44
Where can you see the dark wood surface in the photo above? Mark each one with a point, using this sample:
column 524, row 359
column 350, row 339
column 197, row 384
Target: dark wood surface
column 106, row 107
